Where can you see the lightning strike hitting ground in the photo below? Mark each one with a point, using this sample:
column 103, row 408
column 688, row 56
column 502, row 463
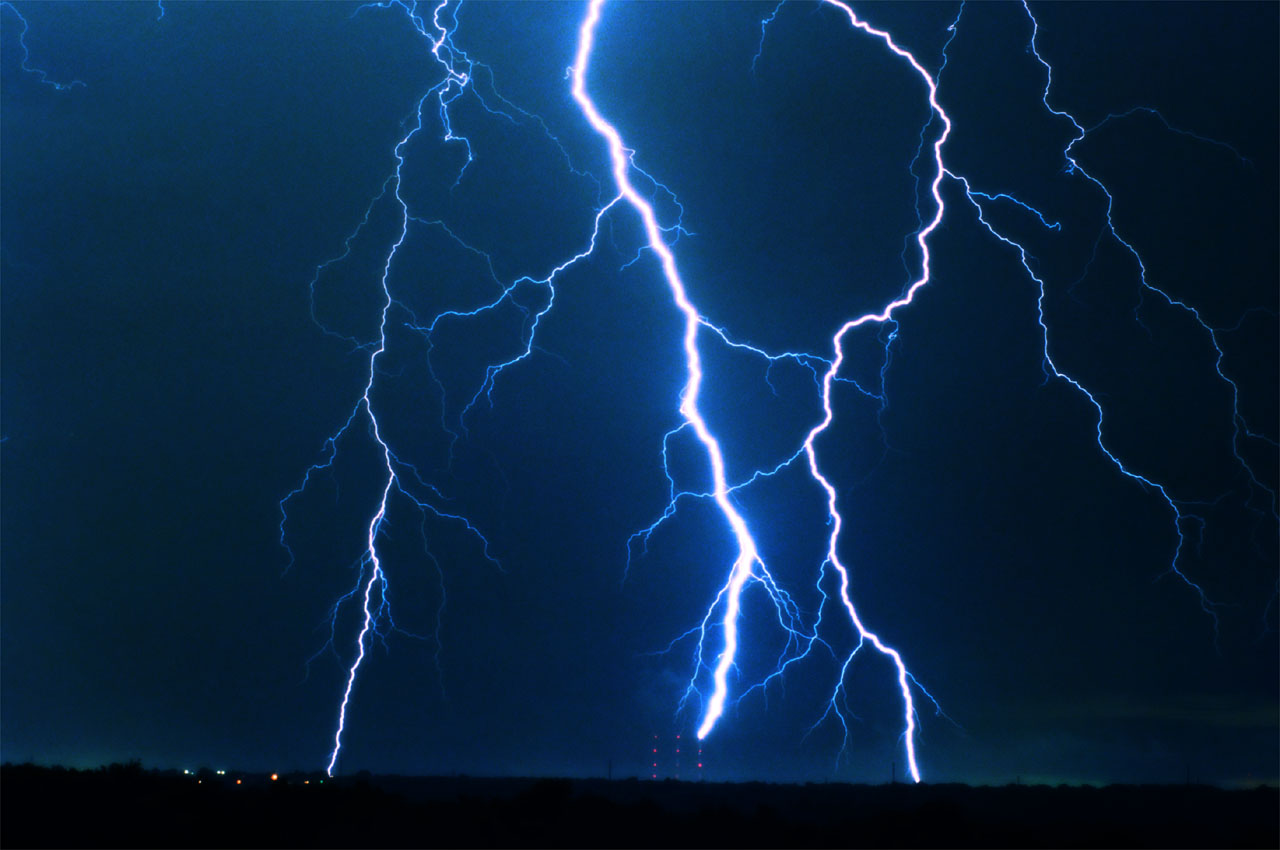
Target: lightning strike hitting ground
column 748, row 555
column 886, row 315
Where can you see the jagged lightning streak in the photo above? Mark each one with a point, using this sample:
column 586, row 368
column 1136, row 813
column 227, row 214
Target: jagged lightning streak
column 39, row 73
column 458, row 70
column 764, row 31
column 370, row 558
column 885, row 315
column 748, row 555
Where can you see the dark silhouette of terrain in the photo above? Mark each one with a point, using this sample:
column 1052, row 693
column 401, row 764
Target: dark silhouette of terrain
column 127, row 806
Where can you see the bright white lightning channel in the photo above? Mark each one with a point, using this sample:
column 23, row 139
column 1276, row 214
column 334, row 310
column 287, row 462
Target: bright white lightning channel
column 748, row 556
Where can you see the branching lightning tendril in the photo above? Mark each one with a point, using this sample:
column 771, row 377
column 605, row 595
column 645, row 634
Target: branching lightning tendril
column 39, row 73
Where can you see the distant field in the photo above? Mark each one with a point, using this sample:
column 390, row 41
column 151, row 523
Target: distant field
column 127, row 806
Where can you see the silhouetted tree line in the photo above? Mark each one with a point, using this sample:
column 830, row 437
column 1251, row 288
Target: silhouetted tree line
column 129, row 806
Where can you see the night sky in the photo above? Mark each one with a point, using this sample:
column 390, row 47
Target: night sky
column 167, row 382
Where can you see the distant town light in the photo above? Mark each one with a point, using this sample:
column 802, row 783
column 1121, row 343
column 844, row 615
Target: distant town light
column 237, row 781
column 274, row 777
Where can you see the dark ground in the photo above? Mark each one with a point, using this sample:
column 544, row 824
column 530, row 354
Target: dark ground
column 127, row 806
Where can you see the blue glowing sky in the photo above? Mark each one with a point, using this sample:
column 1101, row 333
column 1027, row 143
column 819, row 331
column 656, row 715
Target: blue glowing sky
column 177, row 348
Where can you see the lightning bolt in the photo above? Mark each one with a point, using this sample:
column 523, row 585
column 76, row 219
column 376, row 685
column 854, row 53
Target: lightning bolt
column 885, row 315
column 748, row 558
column 748, row 554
